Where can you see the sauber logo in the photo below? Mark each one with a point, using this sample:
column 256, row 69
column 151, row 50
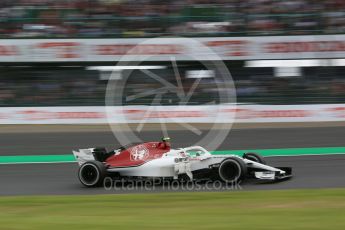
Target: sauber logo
column 139, row 153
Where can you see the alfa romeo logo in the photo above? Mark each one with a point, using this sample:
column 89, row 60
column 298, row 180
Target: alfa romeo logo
column 139, row 153
column 169, row 102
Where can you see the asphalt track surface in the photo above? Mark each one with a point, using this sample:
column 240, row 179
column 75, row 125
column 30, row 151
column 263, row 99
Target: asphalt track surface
column 63, row 143
column 32, row 179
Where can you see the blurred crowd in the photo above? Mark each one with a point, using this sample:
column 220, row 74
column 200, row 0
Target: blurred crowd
column 144, row 18
column 80, row 87
column 49, row 87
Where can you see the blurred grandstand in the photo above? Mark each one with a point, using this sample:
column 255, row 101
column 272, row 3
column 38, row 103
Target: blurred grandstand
column 72, row 84
column 67, row 86
column 145, row 18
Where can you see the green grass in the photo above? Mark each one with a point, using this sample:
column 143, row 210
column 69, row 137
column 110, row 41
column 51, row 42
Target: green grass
column 293, row 209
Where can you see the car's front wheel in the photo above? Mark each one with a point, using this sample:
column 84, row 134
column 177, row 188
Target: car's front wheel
column 92, row 173
column 232, row 169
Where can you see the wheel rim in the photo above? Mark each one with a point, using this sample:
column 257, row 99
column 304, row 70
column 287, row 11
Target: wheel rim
column 230, row 171
column 89, row 174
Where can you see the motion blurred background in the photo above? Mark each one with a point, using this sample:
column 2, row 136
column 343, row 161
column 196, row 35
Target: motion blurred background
column 146, row 18
column 44, row 61
column 287, row 61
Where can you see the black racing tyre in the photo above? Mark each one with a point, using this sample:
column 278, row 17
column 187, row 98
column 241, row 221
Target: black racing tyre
column 254, row 157
column 92, row 173
column 232, row 170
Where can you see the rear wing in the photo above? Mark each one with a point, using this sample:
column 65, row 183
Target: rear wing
column 83, row 155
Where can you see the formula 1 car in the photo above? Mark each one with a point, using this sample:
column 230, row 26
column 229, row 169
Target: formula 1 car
column 158, row 160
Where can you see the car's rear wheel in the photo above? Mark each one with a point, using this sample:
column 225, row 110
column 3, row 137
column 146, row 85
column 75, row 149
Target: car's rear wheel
column 254, row 157
column 92, row 173
column 232, row 170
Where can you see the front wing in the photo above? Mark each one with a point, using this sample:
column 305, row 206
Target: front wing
column 282, row 174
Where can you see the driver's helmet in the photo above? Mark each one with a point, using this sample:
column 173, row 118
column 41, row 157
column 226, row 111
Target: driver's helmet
column 165, row 143
column 166, row 139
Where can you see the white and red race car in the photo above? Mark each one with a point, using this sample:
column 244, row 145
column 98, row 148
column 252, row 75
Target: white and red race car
column 158, row 160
